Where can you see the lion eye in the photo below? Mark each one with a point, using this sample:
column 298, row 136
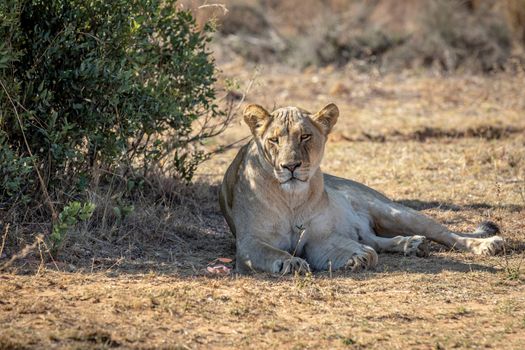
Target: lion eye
column 305, row 137
column 274, row 140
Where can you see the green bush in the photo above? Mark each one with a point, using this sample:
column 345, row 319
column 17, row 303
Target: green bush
column 71, row 214
column 14, row 174
column 100, row 87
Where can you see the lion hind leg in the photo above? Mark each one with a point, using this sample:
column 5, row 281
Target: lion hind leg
column 408, row 245
column 400, row 220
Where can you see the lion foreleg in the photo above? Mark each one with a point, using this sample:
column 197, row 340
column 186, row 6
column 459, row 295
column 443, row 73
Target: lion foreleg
column 336, row 252
column 256, row 255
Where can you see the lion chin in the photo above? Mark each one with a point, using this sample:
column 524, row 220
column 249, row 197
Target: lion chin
column 294, row 185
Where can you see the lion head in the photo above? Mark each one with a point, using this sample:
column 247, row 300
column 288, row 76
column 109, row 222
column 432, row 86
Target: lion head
column 291, row 141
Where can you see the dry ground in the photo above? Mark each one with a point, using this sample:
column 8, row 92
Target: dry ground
column 453, row 147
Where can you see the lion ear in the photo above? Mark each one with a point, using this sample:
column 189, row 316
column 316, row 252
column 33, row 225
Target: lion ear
column 327, row 117
column 257, row 118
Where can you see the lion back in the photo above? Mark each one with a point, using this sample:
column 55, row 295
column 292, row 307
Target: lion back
column 227, row 188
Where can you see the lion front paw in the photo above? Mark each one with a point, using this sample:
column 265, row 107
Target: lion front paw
column 290, row 265
column 416, row 245
column 489, row 246
column 365, row 258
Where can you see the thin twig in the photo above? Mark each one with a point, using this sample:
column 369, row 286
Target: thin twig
column 221, row 6
column 41, row 265
column 37, row 61
column 303, row 230
column 23, row 253
column 231, row 113
column 92, row 36
column 117, row 263
column 223, row 149
column 49, row 253
column 3, row 240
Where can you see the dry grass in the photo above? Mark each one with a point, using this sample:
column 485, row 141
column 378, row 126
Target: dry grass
column 399, row 308
column 451, row 146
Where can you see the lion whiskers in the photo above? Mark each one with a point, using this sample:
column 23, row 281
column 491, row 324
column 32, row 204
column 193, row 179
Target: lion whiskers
column 283, row 176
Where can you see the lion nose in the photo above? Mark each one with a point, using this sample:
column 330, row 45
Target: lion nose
column 291, row 166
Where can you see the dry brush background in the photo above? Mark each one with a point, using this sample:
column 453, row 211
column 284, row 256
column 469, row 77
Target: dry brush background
column 439, row 129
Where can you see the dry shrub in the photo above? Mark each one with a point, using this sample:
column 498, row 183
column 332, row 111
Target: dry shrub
column 453, row 37
column 248, row 32
column 339, row 39
column 516, row 19
column 449, row 35
column 242, row 26
column 446, row 34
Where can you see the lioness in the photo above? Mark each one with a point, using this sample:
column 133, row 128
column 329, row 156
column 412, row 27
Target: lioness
column 288, row 216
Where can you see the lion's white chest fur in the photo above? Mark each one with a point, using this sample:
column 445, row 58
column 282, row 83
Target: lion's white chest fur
column 337, row 217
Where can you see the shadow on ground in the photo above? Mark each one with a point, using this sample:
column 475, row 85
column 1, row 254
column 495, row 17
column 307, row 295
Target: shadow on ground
column 164, row 239
column 424, row 205
column 486, row 132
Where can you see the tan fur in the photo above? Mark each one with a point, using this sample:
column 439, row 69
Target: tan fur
column 288, row 216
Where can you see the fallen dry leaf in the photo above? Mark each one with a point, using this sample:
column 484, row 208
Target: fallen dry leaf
column 219, row 270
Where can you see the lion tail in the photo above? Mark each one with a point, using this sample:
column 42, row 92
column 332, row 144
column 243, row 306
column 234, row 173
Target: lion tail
column 486, row 229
